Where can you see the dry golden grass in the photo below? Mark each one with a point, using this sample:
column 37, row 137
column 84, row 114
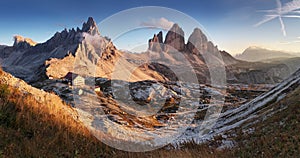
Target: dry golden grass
column 31, row 129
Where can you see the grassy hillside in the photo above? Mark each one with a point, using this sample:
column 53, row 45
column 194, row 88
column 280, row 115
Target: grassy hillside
column 32, row 129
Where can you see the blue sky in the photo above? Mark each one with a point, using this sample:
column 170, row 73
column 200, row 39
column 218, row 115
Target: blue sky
column 228, row 23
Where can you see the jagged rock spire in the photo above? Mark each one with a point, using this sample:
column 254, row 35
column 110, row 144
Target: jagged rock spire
column 155, row 44
column 90, row 27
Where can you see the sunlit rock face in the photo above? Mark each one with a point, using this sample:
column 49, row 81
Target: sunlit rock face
column 23, row 43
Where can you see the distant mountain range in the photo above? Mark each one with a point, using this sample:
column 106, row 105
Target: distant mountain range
column 254, row 54
column 84, row 51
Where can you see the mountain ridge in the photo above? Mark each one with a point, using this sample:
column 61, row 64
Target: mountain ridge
column 19, row 61
column 255, row 53
column 39, row 62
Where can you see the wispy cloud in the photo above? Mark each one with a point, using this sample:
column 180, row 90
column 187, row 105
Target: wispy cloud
column 289, row 10
column 297, row 40
column 162, row 23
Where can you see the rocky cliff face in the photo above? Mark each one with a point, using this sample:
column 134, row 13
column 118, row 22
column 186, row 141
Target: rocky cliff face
column 90, row 27
column 197, row 42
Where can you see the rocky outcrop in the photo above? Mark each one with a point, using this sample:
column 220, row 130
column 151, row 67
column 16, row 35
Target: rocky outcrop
column 175, row 39
column 23, row 43
column 156, row 43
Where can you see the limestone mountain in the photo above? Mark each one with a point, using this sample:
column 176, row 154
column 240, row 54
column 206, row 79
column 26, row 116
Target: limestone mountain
column 198, row 50
column 83, row 49
column 197, row 44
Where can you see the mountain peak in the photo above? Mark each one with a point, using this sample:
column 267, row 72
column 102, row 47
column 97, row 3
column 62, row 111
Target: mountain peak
column 90, row 27
column 256, row 53
column 197, row 42
column 177, row 29
column 254, row 47
column 198, row 33
column 175, row 38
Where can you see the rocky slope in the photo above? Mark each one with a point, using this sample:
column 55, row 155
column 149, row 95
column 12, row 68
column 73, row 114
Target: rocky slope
column 249, row 115
column 28, row 63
